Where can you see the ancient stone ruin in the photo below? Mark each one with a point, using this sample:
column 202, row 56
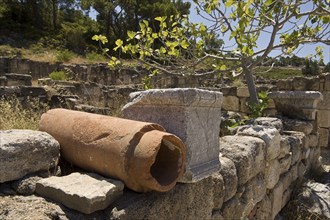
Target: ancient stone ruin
column 88, row 166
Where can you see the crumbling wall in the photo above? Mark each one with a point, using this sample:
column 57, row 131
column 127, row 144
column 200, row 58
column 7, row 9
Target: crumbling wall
column 260, row 168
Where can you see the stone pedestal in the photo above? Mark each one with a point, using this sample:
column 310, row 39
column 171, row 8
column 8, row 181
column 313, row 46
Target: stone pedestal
column 297, row 104
column 194, row 115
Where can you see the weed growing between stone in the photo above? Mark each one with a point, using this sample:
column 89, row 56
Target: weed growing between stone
column 21, row 115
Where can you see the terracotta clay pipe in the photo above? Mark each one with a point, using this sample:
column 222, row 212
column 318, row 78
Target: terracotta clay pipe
column 141, row 154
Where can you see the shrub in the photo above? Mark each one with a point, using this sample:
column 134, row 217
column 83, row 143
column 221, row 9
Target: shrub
column 311, row 67
column 16, row 116
column 95, row 57
column 59, row 75
column 64, row 56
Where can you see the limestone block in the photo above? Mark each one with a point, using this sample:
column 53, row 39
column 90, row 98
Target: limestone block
column 194, row 115
column 243, row 92
column 297, row 104
column 272, row 173
column 294, row 171
column 230, row 103
column 86, row 193
column 285, row 163
column 229, row 91
column 327, row 82
column 24, row 151
column 302, row 168
column 286, row 179
column 276, row 198
column 307, row 84
column 285, row 146
column 270, row 136
column 313, row 140
column 233, row 208
column 324, row 137
column 285, row 85
column 26, row 186
column 323, row 118
column 255, row 191
column 295, row 148
column 262, row 210
column 14, row 79
column 271, row 104
column 286, row 196
column 325, row 103
column 229, row 175
column 196, row 202
column 270, row 121
column 305, row 153
column 247, row 153
column 243, row 105
column 298, row 125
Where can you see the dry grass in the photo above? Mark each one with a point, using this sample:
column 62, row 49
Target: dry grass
column 15, row 115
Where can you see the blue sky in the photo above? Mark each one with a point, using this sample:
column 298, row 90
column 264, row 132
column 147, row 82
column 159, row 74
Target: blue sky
column 262, row 42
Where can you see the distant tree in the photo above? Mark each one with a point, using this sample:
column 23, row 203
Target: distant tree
column 119, row 16
column 311, row 67
column 327, row 68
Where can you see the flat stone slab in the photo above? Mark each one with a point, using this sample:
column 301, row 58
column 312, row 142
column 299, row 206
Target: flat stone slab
column 85, row 193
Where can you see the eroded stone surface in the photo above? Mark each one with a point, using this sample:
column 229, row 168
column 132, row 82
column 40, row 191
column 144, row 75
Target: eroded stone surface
column 271, row 122
column 247, row 153
column 86, row 193
column 193, row 115
column 270, row 136
column 229, row 174
column 26, row 151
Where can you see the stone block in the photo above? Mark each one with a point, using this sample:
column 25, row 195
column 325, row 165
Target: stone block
column 262, row 210
column 271, row 104
column 229, row 175
column 295, row 148
column 243, row 105
column 194, row 115
column 297, row 104
column 243, row 92
column 14, row 79
column 85, row 193
column 297, row 125
column 286, row 179
column 285, row 85
column 324, row 137
column 270, row 136
column 270, row 122
column 233, row 208
column 294, row 172
column 276, row 198
column 302, row 168
column 313, row 139
column 255, row 191
column 272, row 173
column 325, row 103
column 25, row 151
column 285, row 146
column 323, row 118
column 230, row 103
column 327, row 82
column 285, row 163
column 247, row 153
column 286, row 196
column 229, row 91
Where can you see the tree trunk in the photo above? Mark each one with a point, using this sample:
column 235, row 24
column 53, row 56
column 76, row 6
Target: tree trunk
column 54, row 14
column 251, row 86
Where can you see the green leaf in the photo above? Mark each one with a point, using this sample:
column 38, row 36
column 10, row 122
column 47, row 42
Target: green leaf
column 131, row 34
column 184, row 44
column 119, row 43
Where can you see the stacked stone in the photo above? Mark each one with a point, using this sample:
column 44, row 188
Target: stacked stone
column 323, row 117
column 236, row 99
